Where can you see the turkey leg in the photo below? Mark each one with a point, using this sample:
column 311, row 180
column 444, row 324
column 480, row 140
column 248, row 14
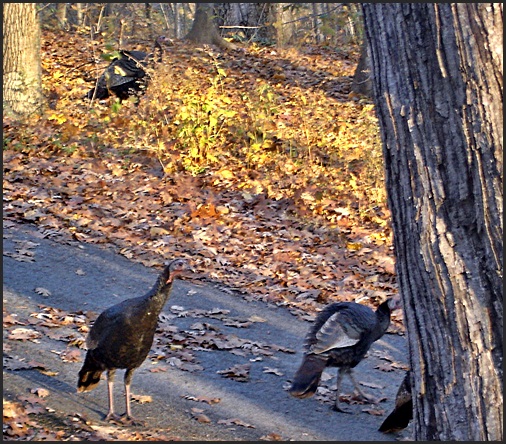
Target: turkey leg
column 337, row 407
column 361, row 395
column 127, row 417
column 111, row 416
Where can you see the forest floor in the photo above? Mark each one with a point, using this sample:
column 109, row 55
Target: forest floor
column 259, row 166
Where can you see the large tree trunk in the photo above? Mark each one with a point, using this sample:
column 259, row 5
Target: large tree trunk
column 204, row 30
column 22, row 74
column 438, row 84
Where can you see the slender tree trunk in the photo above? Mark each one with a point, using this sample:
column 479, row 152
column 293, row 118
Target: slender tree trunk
column 80, row 14
column 438, row 84
column 316, row 23
column 61, row 14
column 177, row 19
column 22, row 74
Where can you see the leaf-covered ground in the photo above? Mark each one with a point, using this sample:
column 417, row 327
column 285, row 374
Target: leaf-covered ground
column 285, row 201
column 259, row 166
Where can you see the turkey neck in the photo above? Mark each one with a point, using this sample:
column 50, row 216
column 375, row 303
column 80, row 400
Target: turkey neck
column 383, row 314
column 159, row 294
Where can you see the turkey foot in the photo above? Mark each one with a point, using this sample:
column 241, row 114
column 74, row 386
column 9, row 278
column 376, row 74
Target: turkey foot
column 112, row 417
column 361, row 396
column 337, row 408
column 129, row 420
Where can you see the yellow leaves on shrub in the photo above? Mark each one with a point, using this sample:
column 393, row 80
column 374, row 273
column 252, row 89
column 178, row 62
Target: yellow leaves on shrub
column 58, row 117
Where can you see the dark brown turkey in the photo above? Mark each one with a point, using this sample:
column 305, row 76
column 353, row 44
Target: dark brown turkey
column 402, row 413
column 122, row 336
column 126, row 75
column 340, row 337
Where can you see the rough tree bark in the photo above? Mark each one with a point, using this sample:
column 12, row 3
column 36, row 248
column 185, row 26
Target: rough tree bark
column 22, row 73
column 438, row 85
column 204, row 30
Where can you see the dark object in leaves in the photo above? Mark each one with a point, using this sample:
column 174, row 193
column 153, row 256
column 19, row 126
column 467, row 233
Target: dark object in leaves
column 340, row 337
column 402, row 413
column 122, row 336
column 126, row 76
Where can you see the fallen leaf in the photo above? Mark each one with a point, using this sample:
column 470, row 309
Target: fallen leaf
column 142, row 399
column 158, row 369
column 238, row 323
column 19, row 257
column 205, row 399
column 24, row 334
column 239, row 372
column 273, row 370
column 9, row 320
column 272, row 437
column 385, row 367
column 235, row 421
column 42, row 291
column 40, row 392
column 71, row 355
column 374, row 411
column 255, row 318
column 199, row 415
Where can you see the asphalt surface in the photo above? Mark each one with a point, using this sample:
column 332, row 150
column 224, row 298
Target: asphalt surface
column 82, row 277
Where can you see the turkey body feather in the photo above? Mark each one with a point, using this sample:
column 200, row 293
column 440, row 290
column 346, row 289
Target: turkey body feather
column 128, row 350
column 340, row 337
column 126, row 74
column 122, row 336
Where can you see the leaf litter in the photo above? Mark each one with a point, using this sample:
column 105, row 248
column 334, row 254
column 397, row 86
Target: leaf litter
column 293, row 241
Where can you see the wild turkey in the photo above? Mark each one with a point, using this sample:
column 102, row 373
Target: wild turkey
column 122, row 336
column 402, row 413
column 126, row 75
column 340, row 337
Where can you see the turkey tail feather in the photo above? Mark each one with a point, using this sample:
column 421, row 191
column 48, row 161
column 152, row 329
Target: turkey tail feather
column 308, row 376
column 89, row 375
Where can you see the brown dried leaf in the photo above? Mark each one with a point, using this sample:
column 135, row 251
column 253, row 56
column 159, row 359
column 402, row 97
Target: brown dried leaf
column 385, row 367
column 19, row 257
column 272, row 437
column 239, row 372
column 205, row 399
column 71, row 355
column 235, row 421
column 40, row 392
column 238, row 323
column 374, row 411
column 9, row 320
column 24, row 334
column 158, row 369
column 142, row 399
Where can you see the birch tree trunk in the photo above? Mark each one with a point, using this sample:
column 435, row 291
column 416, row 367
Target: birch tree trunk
column 438, row 85
column 22, row 73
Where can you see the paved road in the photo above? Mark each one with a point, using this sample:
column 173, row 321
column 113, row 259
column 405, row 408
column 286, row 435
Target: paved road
column 105, row 278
